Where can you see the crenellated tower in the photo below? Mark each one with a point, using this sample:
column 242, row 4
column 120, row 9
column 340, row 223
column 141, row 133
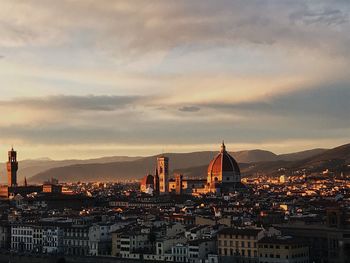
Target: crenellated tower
column 12, row 167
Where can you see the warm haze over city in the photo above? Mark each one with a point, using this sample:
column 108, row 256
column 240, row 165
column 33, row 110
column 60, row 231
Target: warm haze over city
column 84, row 79
column 174, row 131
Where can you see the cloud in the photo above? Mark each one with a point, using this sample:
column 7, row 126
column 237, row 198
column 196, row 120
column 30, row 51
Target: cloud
column 251, row 72
column 323, row 106
column 80, row 103
column 312, row 113
column 328, row 17
column 126, row 28
column 189, row 109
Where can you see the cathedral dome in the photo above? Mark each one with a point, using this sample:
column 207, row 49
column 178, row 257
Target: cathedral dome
column 223, row 163
column 147, row 180
column 223, row 172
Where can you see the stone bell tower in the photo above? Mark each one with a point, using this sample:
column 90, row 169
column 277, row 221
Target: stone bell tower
column 12, row 167
column 163, row 173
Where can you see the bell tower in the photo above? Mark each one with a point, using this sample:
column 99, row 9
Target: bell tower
column 12, row 167
column 163, row 173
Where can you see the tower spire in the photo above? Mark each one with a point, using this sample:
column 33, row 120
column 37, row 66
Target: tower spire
column 223, row 147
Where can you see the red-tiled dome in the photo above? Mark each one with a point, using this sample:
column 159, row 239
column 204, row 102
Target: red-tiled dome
column 147, row 180
column 223, row 162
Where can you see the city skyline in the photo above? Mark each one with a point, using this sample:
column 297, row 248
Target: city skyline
column 87, row 79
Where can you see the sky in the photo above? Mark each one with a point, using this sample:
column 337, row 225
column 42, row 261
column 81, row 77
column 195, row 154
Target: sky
column 83, row 79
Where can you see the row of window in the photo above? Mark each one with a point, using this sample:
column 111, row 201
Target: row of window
column 278, row 246
column 22, row 239
column 237, row 244
column 237, row 252
column 300, row 255
column 76, row 242
column 76, row 234
column 22, row 246
column 22, row 232
column 236, row 236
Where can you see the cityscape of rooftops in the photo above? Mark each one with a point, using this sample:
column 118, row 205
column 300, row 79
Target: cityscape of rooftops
column 188, row 131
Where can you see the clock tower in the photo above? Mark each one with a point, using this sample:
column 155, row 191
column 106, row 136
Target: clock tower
column 12, row 167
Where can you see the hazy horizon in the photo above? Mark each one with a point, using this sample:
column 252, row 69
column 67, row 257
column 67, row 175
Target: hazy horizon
column 86, row 79
column 217, row 149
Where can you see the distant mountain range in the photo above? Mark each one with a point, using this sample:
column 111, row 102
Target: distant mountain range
column 336, row 160
column 193, row 164
column 123, row 168
column 29, row 168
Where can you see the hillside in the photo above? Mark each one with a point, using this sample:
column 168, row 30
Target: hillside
column 29, row 168
column 335, row 159
column 300, row 155
column 192, row 164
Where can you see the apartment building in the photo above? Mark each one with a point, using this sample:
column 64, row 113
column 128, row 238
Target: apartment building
column 283, row 249
column 76, row 239
column 237, row 243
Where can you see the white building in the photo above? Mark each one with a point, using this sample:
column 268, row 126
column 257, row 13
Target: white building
column 22, row 238
column 179, row 253
column 198, row 250
column 52, row 237
column 100, row 239
column 133, row 244
column 37, row 238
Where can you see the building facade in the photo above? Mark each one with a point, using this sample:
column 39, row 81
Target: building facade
column 223, row 176
column 76, row 240
column 163, row 173
column 283, row 249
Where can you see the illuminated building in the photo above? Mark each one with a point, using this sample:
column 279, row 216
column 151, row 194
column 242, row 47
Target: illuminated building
column 12, row 167
column 163, row 173
column 223, row 176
